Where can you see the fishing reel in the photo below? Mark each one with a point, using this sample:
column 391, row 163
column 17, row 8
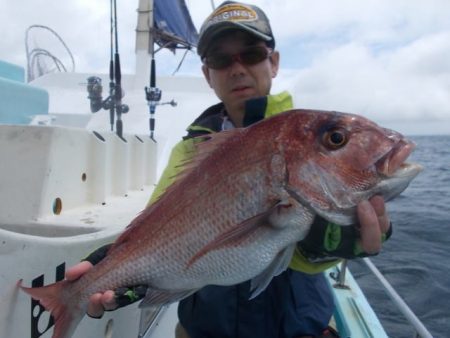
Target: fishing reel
column 153, row 94
column 95, row 89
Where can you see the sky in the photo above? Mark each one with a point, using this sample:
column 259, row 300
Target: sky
column 386, row 59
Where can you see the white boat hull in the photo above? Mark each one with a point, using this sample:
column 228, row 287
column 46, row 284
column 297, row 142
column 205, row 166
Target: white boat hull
column 65, row 193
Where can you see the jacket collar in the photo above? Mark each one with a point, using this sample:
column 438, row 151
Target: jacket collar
column 256, row 109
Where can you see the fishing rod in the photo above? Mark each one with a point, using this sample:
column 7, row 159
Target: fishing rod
column 113, row 102
column 120, row 108
column 112, row 85
column 153, row 96
column 153, row 93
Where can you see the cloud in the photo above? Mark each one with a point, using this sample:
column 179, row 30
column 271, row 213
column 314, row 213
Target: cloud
column 369, row 20
column 410, row 82
column 82, row 24
column 385, row 59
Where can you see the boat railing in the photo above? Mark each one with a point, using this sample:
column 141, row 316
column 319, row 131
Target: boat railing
column 413, row 320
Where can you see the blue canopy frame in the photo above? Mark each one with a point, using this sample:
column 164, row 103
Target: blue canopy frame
column 173, row 26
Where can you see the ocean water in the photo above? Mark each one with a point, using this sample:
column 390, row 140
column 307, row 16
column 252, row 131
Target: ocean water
column 416, row 260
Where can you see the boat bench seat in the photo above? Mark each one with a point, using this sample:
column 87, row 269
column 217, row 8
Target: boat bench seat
column 19, row 101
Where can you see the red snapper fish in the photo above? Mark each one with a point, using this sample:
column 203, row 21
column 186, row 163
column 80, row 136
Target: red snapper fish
column 240, row 205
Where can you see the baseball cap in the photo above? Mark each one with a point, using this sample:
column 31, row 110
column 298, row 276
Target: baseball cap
column 232, row 15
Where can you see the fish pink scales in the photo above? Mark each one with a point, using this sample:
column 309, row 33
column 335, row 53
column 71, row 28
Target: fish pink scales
column 240, row 205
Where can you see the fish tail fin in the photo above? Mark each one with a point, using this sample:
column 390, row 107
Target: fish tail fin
column 51, row 297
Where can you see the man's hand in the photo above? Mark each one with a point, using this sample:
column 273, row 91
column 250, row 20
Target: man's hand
column 98, row 302
column 327, row 241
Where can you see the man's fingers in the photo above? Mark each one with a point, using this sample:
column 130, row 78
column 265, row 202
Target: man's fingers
column 109, row 301
column 101, row 302
column 370, row 228
column 378, row 205
column 95, row 307
column 98, row 302
column 78, row 270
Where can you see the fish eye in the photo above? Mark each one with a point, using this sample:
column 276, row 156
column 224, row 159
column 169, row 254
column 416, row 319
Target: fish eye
column 335, row 138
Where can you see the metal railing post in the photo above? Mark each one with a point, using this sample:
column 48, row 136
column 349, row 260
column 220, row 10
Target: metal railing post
column 399, row 302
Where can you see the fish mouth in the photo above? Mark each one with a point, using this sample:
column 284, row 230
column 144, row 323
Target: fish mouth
column 395, row 158
column 395, row 172
column 394, row 185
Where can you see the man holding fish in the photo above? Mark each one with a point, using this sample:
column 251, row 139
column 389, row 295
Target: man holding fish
column 239, row 61
column 289, row 296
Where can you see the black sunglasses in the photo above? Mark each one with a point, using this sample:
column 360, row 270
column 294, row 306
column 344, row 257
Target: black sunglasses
column 249, row 56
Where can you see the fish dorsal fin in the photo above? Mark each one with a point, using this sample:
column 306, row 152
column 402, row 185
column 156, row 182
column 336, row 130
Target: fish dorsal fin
column 234, row 235
column 156, row 297
column 201, row 150
column 278, row 265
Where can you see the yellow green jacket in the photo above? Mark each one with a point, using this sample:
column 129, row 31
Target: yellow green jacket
column 210, row 121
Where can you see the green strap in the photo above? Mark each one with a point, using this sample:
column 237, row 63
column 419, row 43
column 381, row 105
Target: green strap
column 300, row 263
column 333, row 237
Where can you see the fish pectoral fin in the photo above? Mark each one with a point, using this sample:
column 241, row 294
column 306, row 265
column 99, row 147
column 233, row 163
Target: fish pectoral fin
column 158, row 297
column 233, row 236
column 278, row 265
